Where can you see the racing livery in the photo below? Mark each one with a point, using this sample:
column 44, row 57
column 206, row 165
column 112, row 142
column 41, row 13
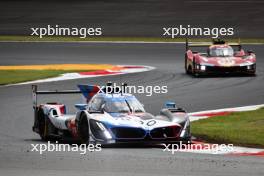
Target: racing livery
column 219, row 58
column 109, row 118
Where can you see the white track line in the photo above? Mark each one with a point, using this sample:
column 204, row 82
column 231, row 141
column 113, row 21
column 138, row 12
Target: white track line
column 195, row 115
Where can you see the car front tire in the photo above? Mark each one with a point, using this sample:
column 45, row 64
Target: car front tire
column 83, row 129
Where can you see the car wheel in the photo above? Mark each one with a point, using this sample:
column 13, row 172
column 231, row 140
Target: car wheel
column 42, row 126
column 186, row 67
column 193, row 68
column 194, row 73
column 189, row 70
column 83, row 129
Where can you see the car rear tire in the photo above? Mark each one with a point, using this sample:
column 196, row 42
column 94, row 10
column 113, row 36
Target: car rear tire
column 189, row 70
column 42, row 125
column 194, row 73
column 186, row 66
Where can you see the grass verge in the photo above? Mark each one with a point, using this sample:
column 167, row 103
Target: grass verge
column 18, row 76
column 125, row 39
column 239, row 128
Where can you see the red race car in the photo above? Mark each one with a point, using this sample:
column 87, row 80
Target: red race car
column 219, row 57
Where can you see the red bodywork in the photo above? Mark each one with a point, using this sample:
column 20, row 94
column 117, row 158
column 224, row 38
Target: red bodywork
column 240, row 62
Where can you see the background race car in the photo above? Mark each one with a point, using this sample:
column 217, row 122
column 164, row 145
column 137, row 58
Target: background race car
column 115, row 117
column 219, row 57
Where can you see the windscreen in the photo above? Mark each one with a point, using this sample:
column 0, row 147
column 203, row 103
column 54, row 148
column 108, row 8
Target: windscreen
column 221, row 52
column 123, row 105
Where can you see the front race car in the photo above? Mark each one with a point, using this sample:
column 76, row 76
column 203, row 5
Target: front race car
column 108, row 118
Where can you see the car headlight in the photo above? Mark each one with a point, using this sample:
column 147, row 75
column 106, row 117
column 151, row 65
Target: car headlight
column 107, row 135
column 185, row 130
column 101, row 126
column 187, row 124
column 104, row 130
column 250, row 67
column 246, row 64
column 203, row 67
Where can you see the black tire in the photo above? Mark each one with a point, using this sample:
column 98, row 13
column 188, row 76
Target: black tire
column 42, row 125
column 194, row 73
column 186, row 66
column 83, row 129
column 189, row 70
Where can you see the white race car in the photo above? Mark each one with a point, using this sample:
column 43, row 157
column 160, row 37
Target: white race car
column 109, row 118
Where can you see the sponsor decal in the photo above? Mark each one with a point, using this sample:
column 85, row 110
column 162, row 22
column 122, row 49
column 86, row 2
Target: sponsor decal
column 226, row 62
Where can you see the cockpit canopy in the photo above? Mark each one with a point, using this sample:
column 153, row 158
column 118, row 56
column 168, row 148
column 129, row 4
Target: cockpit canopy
column 116, row 104
column 226, row 51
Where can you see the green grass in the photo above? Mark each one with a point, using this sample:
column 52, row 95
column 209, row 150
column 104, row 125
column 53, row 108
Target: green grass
column 144, row 39
column 239, row 128
column 18, row 76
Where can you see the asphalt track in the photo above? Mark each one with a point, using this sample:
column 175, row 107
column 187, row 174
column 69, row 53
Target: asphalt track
column 194, row 94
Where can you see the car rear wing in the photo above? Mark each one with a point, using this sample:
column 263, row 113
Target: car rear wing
column 88, row 92
column 36, row 92
column 188, row 44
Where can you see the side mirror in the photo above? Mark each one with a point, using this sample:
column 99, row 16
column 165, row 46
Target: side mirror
column 80, row 106
column 170, row 105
